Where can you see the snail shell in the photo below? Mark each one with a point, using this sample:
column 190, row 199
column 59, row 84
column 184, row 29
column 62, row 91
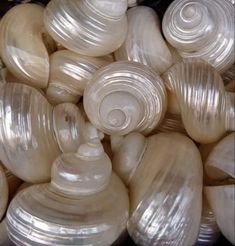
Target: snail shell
column 207, row 110
column 92, row 28
column 69, row 74
column 220, row 167
column 144, row 42
column 124, row 97
column 79, row 205
column 166, row 192
column 202, row 29
column 22, row 45
column 3, row 192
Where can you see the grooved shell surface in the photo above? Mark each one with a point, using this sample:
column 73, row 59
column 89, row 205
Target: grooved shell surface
column 27, row 142
column 144, row 42
column 207, row 110
column 69, row 74
column 39, row 215
column 22, row 45
column 92, row 28
column 166, row 192
column 202, row 29
column 124, row 97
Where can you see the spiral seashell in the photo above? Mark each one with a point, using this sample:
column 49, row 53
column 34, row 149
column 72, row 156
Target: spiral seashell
column 3, row 192
column 202, row 29
column 219, row 166
column 209, row 232
column 207, row 110
column 165, row 189
column 79, row 205
column 22, row 44
column 87, row 27
column 69, row 74
column 144, row 42
column 124, row 97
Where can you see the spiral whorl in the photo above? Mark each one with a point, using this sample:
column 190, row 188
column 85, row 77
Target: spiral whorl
column 206, row 109
column 202, row 29
column 124, row 97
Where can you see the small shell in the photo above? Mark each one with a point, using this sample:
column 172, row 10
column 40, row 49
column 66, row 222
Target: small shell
column 22, row 45
column 202, row 29
column 92, row 28
column 166, row 192
column 124, row 97
column 144, row 42
column 207, row 110
column 69, row 74
column 3, row 192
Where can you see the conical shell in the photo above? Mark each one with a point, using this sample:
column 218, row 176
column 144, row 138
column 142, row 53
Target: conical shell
column 69, row 74
column 22, row 45
column 27, row 142
column 92, row 28
column 166, row 192
column 202, row 29
column 207, row 110
column 144, row 42
column 125, row 97
column 78, row 207
column 3, row 192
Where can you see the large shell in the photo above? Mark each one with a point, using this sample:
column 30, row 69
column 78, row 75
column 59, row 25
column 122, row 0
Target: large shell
column 3, row 192
column 92, row 28
column 79, row 206
column 69, row 74
column 220, row 166
column 144, row 42
column 22, row 45
column 166, row 192
column 202, row 29
column 207, row 109
column 124, row 97
column 27, row 143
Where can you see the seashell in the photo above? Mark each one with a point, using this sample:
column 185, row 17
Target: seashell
column 219, row 166
column 209, row 232
column 124, row 97
column 165, row 189
column 31, row 131
column 69, row 74
column 91, row 28
column 207, row 110
column 144, row 42
column 3, row 192
column 132, row 3
column 79, row 205
column 4, row 239
column 202, row 29
column 24, row 43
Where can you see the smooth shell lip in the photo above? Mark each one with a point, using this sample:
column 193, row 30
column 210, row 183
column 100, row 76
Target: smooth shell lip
column 22, row 44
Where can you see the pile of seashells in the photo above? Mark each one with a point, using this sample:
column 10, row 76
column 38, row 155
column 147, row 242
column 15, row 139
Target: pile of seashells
column 117, row 123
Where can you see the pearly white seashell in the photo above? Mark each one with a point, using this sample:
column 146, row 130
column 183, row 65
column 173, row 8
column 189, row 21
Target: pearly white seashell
column 220, row 167
column 166, row 192
column 124, row 97
column 69, row 74
column 202, row 29
column 3, row 192
column 79, row 205
column 22, row 44
column 207, row 110
column 88, row 27
column 31, row 131
column 144, row 42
